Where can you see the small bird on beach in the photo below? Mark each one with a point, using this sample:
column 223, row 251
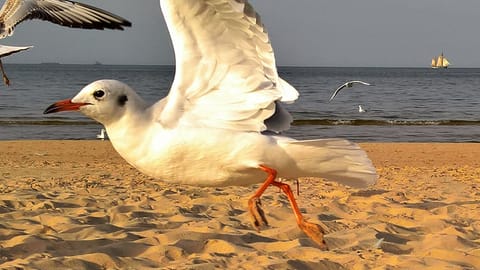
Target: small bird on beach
column 347, row 84
column 220, row 123
column 62, row 12
column 102, row 136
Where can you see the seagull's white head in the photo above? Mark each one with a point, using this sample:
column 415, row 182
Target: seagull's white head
column 105, row 101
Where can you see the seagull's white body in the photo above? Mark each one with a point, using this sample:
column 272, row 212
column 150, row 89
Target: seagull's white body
column 220, row 157
column 220, row 123
column 198, row 156
column 102, row 134
column 361, row 109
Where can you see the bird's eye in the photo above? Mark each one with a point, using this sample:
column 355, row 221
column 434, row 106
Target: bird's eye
column 99, row 94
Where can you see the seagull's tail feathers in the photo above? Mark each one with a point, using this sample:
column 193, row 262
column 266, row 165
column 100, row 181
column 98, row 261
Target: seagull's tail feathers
column 332, row 159
column 289, row 93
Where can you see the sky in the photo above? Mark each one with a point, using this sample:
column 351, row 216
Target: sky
column 345, row 33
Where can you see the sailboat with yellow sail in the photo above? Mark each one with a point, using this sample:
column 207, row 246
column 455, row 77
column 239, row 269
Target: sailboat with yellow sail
column 440, row 62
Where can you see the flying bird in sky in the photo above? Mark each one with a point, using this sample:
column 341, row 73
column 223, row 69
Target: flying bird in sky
column 347, row 84
column 61, row 12
column 220, row 123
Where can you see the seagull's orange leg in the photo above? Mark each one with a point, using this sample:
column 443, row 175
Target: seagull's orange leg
column 314, row 231
column 4, row 75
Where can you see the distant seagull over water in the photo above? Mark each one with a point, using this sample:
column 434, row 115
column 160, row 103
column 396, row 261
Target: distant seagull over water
column 361, row 109
column 61, row 12
column 347, row 84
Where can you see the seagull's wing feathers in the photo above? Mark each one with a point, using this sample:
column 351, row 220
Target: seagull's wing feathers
column 62, row 12
column 7, row 50
column 226, row 75
column 362, row 82
column 347, row 84
column 338, row 90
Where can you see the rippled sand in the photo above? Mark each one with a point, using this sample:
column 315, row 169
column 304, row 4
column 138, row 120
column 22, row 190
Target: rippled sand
column 78, row 205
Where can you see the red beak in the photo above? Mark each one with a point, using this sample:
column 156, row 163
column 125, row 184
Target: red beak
column 64, row 105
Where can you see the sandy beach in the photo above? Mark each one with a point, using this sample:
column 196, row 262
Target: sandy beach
column 78, row 205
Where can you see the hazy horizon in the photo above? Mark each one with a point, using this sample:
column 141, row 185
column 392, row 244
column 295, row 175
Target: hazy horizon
column 279, row 66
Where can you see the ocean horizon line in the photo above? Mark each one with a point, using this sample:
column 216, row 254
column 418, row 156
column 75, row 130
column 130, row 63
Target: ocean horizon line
column 279, row 66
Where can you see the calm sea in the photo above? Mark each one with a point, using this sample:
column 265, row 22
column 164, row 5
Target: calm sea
column 404, row 104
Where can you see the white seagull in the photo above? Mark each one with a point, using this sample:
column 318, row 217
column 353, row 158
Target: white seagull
column 217, row 125
column 62, row 12
column 102, row 134
column 361, row 109
column 347, row 84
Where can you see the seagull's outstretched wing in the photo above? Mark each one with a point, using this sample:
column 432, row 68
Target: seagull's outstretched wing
column 62, row 12
column 347, row 84
column 7, row 50
column 226, row 75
